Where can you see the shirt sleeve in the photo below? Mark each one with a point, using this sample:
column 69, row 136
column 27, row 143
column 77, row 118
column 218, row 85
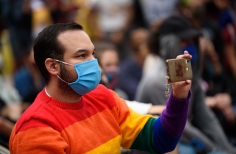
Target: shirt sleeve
column 131, row 123
column 162, row 135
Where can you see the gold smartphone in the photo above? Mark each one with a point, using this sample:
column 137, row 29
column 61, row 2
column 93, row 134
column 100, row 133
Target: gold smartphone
column 179, row 69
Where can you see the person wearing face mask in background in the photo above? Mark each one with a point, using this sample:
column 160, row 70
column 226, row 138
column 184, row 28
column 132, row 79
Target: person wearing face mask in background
column 202, row 132
column 108, row 59
column 75, row 114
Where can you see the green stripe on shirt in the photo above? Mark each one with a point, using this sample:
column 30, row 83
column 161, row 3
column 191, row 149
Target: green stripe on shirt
column 145, row 140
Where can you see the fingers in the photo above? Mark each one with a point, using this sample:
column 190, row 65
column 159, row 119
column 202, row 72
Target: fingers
column 185, row 52
column 185, row 55
column 182, row 83
column 188, row 81
column 181, row 88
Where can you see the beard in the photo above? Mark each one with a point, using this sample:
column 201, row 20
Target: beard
column 67, row 76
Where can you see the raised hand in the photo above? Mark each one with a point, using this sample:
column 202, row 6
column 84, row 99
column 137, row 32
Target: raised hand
column 181, row 88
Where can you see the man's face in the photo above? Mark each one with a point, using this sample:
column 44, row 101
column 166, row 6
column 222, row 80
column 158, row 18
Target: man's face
column 77, row 48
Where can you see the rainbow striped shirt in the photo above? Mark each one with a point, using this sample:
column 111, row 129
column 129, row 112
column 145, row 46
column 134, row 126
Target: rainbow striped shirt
column 100, row 123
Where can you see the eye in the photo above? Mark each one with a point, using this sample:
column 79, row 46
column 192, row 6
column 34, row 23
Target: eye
column 82, row 55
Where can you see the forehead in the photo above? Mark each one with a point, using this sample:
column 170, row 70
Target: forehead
column 107, row 54
column 73, row 40
column 109, row 57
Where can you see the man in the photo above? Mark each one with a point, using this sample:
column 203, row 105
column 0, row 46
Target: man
column 73, row 114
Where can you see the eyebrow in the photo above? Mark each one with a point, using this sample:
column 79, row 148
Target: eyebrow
column 82, row 50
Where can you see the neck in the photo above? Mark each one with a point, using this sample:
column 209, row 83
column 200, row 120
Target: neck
column 65, row 94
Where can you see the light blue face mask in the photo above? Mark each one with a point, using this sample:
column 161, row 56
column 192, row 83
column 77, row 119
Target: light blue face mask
column 89, row 76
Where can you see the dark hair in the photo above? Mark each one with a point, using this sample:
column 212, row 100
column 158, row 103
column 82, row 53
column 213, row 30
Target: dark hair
column 46, row 45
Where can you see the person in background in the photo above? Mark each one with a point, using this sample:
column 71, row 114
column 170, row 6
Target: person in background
column 27, row 79
column 174, row 36
column 74, row 114
column 131, row 68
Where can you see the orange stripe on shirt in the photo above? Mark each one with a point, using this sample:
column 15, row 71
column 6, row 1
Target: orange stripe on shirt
column 98, row 132
column 37, row 141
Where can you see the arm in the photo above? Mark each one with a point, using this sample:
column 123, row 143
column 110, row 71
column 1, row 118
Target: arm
column 156, row 109
column 222, row 103
column 145, row 133
column 161, row 135
column 174, row 117
column 167, row 129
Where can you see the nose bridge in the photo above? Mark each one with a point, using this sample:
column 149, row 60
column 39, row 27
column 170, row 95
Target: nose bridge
column 91, row 57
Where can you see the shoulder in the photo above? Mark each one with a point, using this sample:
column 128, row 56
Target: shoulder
column 39, row 114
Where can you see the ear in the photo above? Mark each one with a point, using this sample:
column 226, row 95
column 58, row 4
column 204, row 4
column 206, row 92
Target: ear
column 52, row 66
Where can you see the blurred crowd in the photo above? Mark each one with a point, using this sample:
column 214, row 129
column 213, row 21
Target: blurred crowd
column 133, row 38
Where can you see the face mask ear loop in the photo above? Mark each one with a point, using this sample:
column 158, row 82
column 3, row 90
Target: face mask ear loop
column 63, row 63
column 62, row 79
